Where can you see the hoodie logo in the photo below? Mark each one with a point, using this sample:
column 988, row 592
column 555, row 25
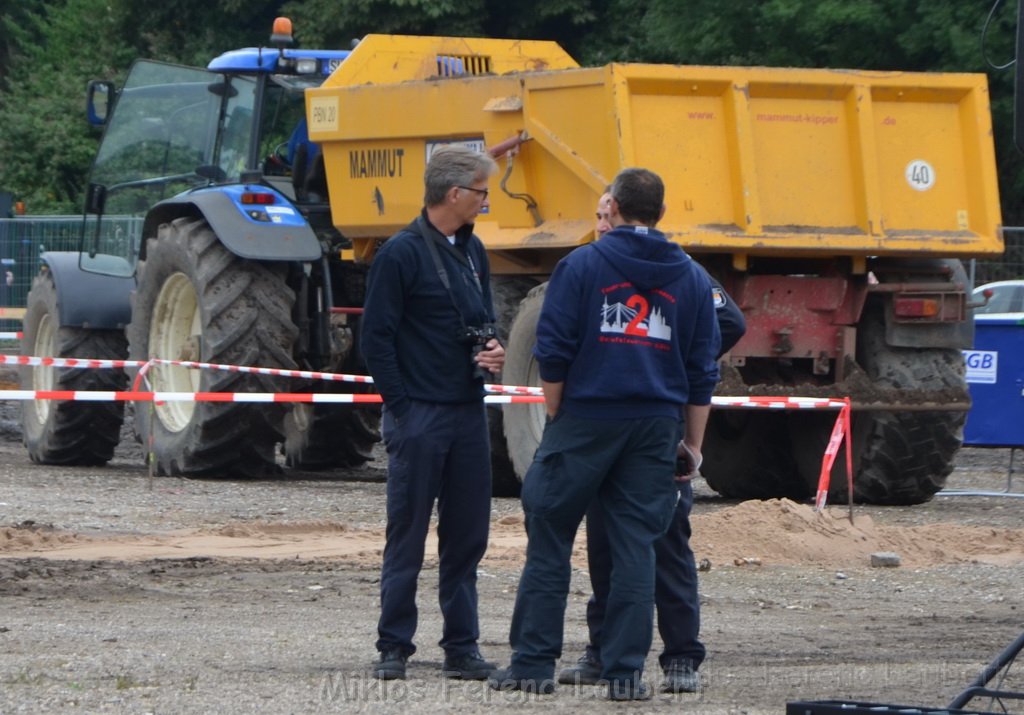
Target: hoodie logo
column 634, row 317
column 718, row 296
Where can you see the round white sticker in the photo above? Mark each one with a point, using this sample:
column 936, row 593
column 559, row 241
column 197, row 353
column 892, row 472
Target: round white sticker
column 920, row 175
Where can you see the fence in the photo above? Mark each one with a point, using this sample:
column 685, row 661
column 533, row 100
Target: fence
column 1009, row 266
column 22, row 239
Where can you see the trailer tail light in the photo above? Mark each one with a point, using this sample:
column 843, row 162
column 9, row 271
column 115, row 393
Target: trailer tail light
column 258, row 197
column 916, row 307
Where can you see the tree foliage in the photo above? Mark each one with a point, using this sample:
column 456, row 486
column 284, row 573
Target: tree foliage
column 49, row 48
column 45, row 142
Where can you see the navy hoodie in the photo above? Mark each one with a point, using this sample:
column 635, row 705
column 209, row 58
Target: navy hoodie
column 629, row 325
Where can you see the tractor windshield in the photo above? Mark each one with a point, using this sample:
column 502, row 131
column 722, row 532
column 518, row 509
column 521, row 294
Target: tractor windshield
column 173, row 129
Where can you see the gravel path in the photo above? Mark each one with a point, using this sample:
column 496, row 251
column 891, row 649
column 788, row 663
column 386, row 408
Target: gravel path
column 294, row 635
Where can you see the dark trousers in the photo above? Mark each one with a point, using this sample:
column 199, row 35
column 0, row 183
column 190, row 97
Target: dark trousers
column 436, row 452
column 627, row 465
column 675, row 584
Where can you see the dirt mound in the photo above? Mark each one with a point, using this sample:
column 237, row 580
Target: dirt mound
column 777, row 531
column 780, row 531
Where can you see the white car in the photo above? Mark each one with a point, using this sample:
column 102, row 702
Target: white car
column 1007, row 300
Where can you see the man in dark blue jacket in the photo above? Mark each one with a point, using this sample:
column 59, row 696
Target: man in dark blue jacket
column 426, row 344
column 626, row 347
column 676, row 597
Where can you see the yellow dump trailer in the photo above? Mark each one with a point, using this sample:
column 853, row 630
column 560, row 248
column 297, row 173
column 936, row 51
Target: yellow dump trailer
column 832, row 204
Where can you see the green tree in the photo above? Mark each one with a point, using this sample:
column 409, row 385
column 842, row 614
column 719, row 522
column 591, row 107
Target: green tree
column 14, row 13
column 335, row 23
column 46, row 144
column 192, row 33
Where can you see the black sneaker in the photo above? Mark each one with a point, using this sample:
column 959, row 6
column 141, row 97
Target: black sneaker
column 391, row 665
column 505, row 679
column 587, row 670
column 628, row 690
column 680, row 677
column 468, row 666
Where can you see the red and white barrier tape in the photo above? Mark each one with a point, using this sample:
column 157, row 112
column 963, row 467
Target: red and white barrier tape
column 93, row 363
column 782, row 403
column 504, row 394
column 145, row 396
column 30, row 361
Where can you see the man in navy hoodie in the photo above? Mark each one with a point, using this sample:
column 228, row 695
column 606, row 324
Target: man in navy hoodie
column 626, row 347
column 676, row 597
column 428, row 301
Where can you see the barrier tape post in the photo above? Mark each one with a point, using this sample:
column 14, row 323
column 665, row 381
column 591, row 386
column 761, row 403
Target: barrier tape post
column 150, row 445
column 845, row 414
column 839, row 436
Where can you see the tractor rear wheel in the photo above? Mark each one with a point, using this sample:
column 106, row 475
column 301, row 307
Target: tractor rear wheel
column 198, row 301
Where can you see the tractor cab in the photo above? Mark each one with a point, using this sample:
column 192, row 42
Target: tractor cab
column 172, row 131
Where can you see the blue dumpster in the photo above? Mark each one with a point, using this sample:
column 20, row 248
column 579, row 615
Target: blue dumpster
column 995, row 376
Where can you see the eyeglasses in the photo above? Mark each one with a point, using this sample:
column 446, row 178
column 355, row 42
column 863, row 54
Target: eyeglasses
column 483, row 192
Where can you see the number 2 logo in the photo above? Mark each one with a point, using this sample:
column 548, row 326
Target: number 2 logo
column 642, row 308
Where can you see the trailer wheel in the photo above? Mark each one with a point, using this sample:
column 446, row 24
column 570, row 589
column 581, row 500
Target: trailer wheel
column 198, row 301
column 905, row 458
column 523, row 424
column 747, row 456
column 59, row 431
column 509, row 292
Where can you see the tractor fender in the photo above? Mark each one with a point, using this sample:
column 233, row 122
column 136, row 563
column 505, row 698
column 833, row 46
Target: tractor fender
column 88, row 300
column 290, row 241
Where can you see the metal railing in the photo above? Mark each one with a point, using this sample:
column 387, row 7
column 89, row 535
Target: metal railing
column 1009, row 266
column 24, row 238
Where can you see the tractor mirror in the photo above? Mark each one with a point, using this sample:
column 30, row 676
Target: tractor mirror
column 99, row 101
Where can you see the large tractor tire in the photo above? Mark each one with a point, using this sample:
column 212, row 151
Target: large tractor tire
column 905, row 457
column 69, row 432
column 509, row 293
column 523, row 424
column 198, row 301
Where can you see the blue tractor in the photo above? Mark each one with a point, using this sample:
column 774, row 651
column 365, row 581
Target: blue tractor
column 206, row 237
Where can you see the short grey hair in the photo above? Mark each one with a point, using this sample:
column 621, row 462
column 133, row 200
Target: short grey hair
column 454, row 165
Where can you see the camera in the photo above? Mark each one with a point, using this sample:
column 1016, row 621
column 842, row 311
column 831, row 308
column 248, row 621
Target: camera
column 477, row 338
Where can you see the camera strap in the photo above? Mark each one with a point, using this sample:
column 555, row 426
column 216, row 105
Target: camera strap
column 442, row 273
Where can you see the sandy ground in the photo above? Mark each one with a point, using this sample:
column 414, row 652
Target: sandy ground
column 125, row 593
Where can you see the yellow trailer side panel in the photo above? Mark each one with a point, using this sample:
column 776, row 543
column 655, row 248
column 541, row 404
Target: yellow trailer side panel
column 755, row 160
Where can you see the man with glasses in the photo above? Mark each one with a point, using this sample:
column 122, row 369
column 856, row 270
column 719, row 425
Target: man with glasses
column 427, row 344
